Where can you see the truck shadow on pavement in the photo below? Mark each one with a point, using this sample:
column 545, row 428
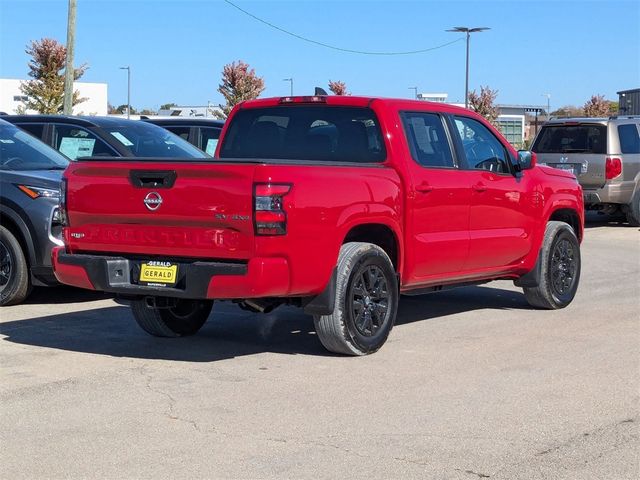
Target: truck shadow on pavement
column 230, row 331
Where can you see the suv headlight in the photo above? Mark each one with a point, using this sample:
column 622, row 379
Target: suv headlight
column 37, row 192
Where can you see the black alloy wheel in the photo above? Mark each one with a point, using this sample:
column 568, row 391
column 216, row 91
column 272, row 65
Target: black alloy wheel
column 370, row 300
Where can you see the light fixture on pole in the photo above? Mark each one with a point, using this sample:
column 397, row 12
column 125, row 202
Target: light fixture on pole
column 128, row 69
column 548, row 95
column 468, row 32
column 415, row 90
column 290, row 80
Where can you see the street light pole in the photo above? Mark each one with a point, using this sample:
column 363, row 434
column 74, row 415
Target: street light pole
column 128, row 69
column 290, row 80
column 468, row 32
column 415, row 90
column 548, row 95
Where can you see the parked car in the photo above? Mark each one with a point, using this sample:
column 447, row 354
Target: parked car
column 334, row 204
column 77, row 137
column 30, row 226
column 603, row 153
column 199, row 131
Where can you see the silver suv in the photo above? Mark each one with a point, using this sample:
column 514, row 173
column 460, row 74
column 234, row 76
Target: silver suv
column 604, row 155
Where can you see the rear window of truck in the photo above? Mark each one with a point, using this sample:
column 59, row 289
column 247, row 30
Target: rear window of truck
column 583, row 138
column 319, row 132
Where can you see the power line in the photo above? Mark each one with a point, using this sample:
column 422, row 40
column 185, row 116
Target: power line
column 333, row 47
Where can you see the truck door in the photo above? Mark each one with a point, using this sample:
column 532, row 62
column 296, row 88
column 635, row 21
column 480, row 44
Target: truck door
column 438, row 201
column 499, row 227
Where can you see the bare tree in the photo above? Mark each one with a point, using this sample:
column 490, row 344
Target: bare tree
column 483, row 103
column 338, row 87
column 597, row 106
column 45, row 92
column 239, row 83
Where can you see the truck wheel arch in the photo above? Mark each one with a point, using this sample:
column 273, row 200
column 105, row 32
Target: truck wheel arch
column 570, row 217
column 381, row 235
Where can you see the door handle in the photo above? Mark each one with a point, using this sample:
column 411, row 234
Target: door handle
column 480, row 187
column 424, row 188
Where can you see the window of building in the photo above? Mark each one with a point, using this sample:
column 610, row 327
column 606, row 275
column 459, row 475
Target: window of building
column 511, row 129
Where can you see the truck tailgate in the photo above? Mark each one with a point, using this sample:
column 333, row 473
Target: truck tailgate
column 160, row 209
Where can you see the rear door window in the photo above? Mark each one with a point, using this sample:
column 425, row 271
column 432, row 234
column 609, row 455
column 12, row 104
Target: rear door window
column 629, row 138
column 76, row 142
column 427, row 139
column 305, row 132
column 583, row 138
column 209, row 139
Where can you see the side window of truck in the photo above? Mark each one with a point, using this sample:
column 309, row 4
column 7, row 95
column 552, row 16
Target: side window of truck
column 482, row 149
column 427, row 139
column 629, row 138
column 75, row 142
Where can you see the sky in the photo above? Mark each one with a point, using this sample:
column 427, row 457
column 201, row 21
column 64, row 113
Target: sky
column 177, row 48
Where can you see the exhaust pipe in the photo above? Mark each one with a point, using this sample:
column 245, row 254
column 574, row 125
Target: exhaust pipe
column 260, row 305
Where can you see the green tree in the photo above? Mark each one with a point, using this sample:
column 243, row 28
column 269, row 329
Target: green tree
column 596, row 106
column 239, row 83
column 45, row 91
column 167, row 106
column 483, row 103
column 122, row 109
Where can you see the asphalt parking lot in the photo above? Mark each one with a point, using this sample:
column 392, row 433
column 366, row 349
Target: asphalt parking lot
column 471, row 384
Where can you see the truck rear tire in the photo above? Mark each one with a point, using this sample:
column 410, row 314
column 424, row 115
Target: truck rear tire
column 633, row 210
column 186, row 318
column 366, row 301
column 15, row 284
column 559, row 269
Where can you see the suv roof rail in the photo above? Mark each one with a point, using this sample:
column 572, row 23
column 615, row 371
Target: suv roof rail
column 613, row 117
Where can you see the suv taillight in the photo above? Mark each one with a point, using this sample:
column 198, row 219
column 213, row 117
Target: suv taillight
column 62, row 204
column 613, row 168
column 270, row 217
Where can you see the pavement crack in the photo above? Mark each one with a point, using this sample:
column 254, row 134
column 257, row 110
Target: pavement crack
column 171, row 401
column 471, row 472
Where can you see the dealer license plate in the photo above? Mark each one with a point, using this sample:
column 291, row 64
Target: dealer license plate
column 566, row 167
column 159, row 273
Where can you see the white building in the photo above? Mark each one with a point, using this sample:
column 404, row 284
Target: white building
column 11, row 97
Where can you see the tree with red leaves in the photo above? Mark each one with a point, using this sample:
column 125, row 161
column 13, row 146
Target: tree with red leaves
column 338, row 87
column 46, row 91
column 483, row 103
column 597, row 106
column 239, row 83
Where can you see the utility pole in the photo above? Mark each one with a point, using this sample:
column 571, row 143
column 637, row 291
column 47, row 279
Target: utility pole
column 415, row 90
column 67, row 106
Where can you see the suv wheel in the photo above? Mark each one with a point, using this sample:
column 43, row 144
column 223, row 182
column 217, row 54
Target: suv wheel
column 366, row 302
column 185, row 318
column 560, row 268
column 14, row 271
column 633, row 210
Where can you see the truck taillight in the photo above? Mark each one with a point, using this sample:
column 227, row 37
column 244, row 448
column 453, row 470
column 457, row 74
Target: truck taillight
column 270, row 217
column 613, row 168
column 62, row 204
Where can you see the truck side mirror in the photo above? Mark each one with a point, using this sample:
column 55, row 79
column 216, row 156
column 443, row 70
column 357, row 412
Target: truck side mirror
column 526, row 159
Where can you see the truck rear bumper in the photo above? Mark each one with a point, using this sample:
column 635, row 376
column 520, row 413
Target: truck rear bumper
column 620, row 192
column 259, row 277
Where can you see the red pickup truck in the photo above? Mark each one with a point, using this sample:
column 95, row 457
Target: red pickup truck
column 334, row 204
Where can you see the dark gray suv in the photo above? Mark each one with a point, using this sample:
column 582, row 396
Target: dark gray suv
column 30, row 174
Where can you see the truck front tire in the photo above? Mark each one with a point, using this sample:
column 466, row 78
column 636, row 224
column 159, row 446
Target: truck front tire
column 185, row 318
column 15, row 284
column 366, row 301
column 559, row 268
